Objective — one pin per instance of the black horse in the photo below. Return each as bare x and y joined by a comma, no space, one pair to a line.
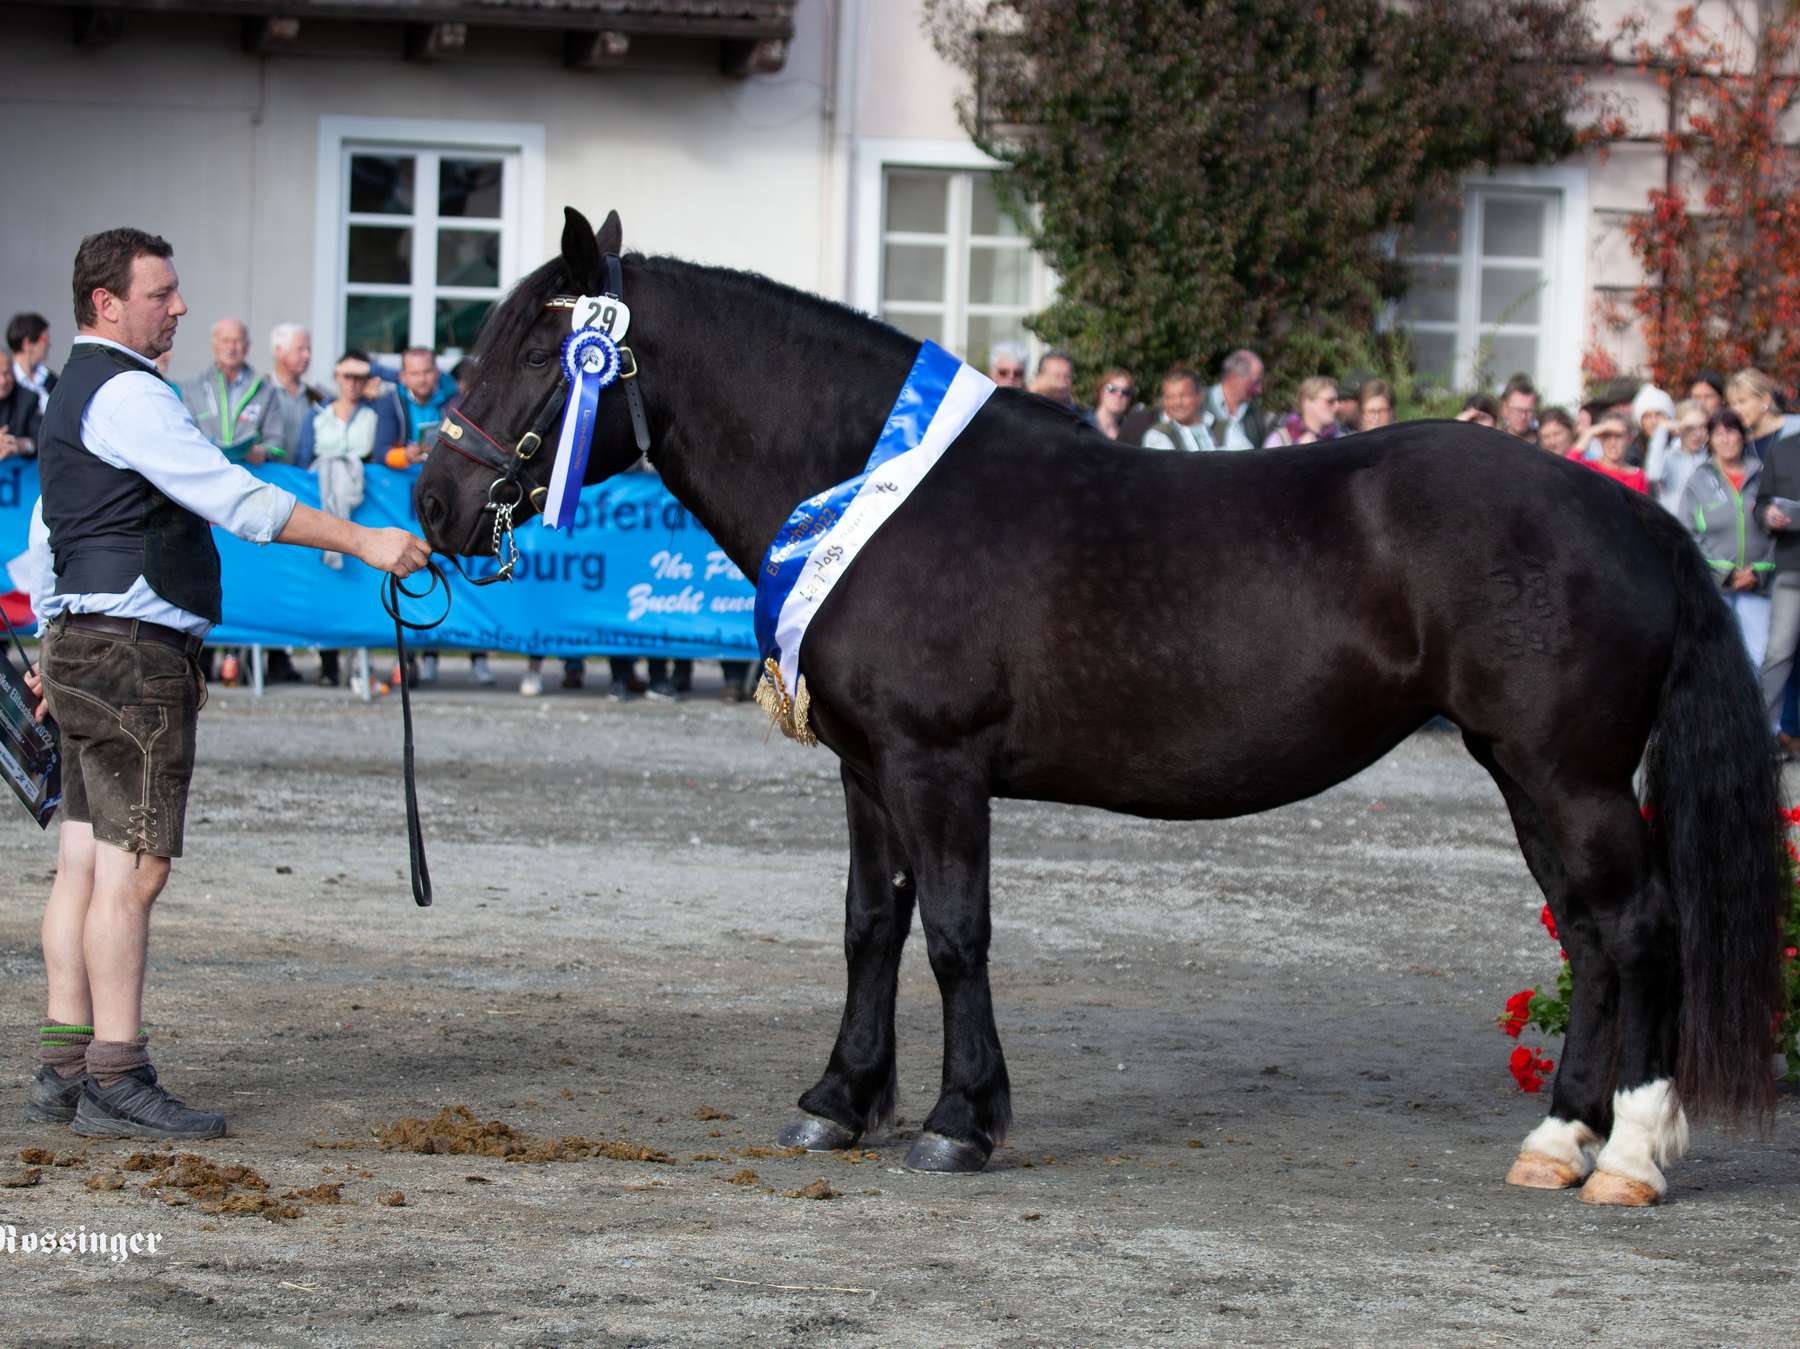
1285,618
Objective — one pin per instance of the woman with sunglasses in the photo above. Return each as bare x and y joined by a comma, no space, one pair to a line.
1114,397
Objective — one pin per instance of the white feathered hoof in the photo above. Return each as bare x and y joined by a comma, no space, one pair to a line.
1608,1187
1535,1171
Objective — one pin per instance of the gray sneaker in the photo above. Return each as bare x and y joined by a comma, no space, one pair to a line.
52,1097
136,1107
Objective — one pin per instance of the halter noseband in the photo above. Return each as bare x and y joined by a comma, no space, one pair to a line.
459,432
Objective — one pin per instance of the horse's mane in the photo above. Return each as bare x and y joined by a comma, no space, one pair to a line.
513,318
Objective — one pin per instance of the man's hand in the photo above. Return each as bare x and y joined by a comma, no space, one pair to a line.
1776,518
9,444
256,455
1742,578
34,684
393,550
415,452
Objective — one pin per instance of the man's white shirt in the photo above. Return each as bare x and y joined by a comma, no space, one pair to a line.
136,421
1193,438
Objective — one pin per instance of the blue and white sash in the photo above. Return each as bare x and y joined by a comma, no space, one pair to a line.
823,536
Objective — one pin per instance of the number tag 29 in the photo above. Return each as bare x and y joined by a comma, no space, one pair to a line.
608,313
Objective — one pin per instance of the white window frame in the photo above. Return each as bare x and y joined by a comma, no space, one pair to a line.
522,207
874,157
1562,326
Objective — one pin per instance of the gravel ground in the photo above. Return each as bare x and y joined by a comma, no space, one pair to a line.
1260,1096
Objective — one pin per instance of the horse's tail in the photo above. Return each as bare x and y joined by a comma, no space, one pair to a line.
1713,790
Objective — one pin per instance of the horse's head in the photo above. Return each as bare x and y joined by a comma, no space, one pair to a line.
497,445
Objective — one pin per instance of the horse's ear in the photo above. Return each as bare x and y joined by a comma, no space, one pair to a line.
611,238
580,252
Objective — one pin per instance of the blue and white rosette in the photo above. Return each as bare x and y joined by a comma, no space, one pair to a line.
590,361
824,535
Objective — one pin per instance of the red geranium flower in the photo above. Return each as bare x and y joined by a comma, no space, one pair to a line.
1791,814
1548,919
1529,1069
1518,1012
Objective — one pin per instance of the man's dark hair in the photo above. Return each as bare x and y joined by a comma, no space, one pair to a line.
1596,408
1055,354
25,328
1519,383
352,354
426,352
1559,416
103,262
1480,402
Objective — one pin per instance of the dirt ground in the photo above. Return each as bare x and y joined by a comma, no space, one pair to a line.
1260,1096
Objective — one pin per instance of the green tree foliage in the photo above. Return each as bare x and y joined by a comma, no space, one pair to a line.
1209,174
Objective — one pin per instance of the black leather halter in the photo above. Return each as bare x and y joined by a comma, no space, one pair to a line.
459,432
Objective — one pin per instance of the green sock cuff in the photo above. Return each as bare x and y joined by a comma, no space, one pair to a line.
58,1031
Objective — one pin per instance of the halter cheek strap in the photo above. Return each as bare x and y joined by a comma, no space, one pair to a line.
640,424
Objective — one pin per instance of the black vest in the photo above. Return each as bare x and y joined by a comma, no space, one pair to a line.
109,526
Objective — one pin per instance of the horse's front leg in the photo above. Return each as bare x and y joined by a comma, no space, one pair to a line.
856,1094
941,815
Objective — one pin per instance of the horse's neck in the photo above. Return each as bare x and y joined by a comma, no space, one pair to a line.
763,398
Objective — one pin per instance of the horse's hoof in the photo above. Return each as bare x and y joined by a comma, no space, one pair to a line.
815,1133
1608,1187
1535,1171
940,1155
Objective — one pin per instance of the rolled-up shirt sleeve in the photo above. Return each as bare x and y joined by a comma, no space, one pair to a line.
137,422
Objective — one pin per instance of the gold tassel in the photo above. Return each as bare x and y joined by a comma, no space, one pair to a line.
790,714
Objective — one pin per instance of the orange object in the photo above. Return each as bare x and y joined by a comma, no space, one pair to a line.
396,457
229,671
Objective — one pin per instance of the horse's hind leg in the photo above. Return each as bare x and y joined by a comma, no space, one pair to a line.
1620,927
856,1094
1558,1153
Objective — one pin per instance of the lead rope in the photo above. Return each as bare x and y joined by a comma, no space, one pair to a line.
391,593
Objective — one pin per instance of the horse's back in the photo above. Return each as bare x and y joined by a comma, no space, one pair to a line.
1211,634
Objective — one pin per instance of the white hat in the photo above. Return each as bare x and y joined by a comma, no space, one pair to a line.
1651,399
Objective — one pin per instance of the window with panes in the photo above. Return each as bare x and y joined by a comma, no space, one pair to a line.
426,233
954,267
1482,279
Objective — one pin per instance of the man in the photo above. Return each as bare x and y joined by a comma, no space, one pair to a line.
292,398
28,339
1230,416
20,416
1518,408
408,416
130,491
1006,364
230,402
1180,428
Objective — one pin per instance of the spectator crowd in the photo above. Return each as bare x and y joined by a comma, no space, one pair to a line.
1724,459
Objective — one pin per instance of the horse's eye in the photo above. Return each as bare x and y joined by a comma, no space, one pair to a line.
537,360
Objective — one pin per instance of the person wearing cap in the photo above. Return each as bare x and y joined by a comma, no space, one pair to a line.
1652,424
130,491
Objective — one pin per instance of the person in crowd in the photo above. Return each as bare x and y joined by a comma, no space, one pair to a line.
1180,427
131,490
1480,409
1518,408
1708,390
1055,380
1652,426
410,412
1615,439
1374,405
1007,362
338,439
1684,452
531,684
20,416
1315,418
1718,503
1114,395
28,339
1752,396
1778,489
1556,433
1586,418
1229,415
232,404
290,354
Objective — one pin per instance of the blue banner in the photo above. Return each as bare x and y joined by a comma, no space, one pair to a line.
636,575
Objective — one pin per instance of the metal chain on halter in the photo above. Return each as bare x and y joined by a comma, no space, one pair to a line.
503,529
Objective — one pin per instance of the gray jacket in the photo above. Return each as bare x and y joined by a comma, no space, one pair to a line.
1723,522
